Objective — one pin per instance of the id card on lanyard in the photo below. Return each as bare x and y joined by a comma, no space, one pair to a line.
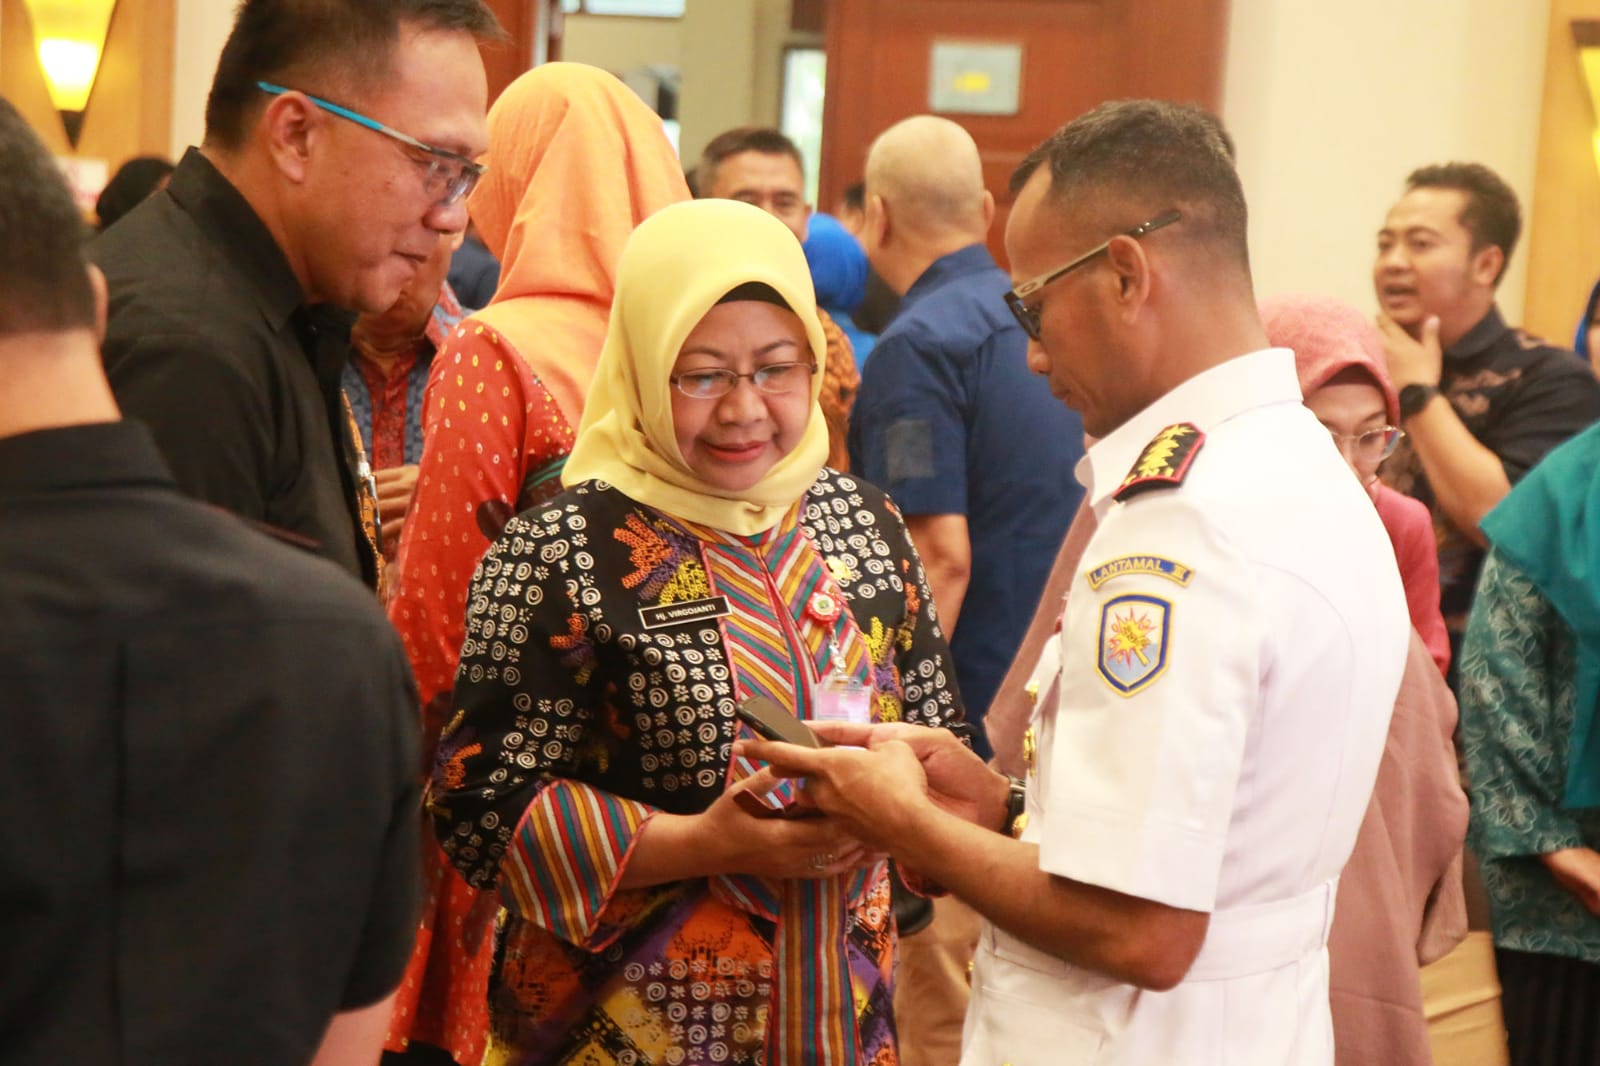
838,696
842,698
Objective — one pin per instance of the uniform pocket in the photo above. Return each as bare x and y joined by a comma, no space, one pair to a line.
1031,1009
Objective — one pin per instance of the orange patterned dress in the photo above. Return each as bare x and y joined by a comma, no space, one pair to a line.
496,442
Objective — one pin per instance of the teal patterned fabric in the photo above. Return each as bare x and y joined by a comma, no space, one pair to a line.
1518,691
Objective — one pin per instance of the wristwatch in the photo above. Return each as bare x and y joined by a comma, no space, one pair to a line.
1413,398
1016,809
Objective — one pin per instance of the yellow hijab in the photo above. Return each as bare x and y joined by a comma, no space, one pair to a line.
673,270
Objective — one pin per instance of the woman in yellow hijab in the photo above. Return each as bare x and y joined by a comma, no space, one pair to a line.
576,161
664,903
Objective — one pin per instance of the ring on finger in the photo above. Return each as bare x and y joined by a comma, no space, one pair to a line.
822,860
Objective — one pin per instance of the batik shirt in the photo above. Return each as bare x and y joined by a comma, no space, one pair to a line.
388,406
1519,671
1520,397
607,645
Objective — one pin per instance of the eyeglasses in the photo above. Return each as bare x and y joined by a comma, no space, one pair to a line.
774,379
1372,446
449,176
1028,317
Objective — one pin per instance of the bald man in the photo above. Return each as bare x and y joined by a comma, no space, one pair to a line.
978,455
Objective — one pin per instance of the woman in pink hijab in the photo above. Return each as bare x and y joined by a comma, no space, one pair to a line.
1401,903
1345,380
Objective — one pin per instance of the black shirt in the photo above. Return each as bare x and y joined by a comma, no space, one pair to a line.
1520,397
210,840
210,344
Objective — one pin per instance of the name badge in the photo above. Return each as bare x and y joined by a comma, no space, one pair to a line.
685,613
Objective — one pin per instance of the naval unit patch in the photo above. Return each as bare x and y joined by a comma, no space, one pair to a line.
1134,639
1164,461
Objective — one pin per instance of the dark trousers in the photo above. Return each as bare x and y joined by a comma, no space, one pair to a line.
1552,1008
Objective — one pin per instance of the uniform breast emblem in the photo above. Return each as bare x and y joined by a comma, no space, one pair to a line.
1135,633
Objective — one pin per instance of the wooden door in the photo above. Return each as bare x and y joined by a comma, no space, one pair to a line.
1075,54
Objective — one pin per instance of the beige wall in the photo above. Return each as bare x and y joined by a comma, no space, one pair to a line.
203,26
1332,105
622,44
730,53
771,31
719,70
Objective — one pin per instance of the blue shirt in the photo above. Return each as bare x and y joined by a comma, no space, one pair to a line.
949,420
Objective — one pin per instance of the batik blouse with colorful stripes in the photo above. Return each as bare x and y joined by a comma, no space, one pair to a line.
607,645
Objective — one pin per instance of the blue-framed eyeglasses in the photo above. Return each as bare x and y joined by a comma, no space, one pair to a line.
449,176
1028,317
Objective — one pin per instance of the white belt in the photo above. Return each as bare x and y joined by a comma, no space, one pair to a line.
1258,937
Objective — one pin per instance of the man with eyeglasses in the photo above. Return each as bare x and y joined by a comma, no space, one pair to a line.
1209,721
339,147
977,455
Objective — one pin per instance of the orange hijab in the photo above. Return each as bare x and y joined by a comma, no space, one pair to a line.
576,161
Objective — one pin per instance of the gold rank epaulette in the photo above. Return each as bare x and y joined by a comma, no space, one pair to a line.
1164,462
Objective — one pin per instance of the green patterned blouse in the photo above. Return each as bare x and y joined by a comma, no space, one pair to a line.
1518,689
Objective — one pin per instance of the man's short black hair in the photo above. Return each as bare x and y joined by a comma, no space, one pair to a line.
1491,214
279,41
763,139
44,280
1152,155
855,196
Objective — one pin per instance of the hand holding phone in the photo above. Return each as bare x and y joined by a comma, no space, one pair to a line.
769,721
772,722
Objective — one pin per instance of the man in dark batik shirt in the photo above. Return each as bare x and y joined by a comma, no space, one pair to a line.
1481,403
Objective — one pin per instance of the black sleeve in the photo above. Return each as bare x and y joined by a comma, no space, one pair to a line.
521,707
390,930
1560,399
922,654
213,426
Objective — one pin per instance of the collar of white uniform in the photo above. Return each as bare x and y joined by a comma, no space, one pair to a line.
1208,399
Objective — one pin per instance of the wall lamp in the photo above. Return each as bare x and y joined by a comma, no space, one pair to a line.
70,36
1586,35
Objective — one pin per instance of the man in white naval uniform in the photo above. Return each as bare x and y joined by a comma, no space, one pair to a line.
1210,719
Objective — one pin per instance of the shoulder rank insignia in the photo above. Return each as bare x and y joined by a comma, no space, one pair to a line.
1164,461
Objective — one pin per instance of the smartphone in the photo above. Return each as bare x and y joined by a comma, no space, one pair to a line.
772,722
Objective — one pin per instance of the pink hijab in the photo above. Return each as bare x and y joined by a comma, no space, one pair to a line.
1328,336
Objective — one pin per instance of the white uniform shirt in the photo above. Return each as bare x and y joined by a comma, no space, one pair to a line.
1208,733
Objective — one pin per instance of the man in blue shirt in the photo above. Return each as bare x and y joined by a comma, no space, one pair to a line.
949,421
978,455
